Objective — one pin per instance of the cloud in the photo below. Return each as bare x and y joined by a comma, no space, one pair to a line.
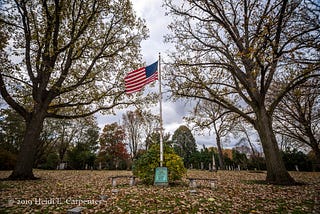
156,21
173,112
206,140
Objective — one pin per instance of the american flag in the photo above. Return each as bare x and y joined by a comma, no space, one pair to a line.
137,79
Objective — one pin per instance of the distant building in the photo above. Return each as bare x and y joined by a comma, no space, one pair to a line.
242,149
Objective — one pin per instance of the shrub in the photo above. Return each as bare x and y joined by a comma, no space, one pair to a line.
144,167
51,162
295,158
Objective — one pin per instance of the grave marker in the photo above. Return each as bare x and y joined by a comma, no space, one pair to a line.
76,210
161,176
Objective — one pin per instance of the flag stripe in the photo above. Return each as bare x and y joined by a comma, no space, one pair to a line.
134,89
152,78
137,82
137,85
137,79
135,73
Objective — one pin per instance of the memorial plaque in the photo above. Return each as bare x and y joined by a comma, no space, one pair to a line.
161,176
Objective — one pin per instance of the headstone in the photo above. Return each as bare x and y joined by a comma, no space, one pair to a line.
212,184
115,191
193,184
117,165
10,202
76,210
161,176
193,191
61,166
214,168
103,197
132,181
100,166
114,182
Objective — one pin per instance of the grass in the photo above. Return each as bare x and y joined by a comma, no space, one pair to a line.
234,192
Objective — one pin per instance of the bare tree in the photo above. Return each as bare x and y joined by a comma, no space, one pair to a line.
245,48
58,136
66,59
62,134
298,116
151,124
213,116
139,127
244,131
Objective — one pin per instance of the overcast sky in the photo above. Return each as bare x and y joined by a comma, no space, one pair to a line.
156,21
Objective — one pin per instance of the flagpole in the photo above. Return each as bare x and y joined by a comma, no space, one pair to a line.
161,173
160,105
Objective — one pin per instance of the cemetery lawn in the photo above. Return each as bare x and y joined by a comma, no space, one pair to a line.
234,192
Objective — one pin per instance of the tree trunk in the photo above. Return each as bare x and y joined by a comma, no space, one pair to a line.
316,165
250,144
314,144
28,149
276,171
220,154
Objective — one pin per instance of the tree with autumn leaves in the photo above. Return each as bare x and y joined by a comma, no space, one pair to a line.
113,153
244,56
64,60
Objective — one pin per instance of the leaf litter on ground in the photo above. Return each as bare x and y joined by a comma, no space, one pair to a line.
234,192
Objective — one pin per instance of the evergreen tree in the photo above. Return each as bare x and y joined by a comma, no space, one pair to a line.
184,144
